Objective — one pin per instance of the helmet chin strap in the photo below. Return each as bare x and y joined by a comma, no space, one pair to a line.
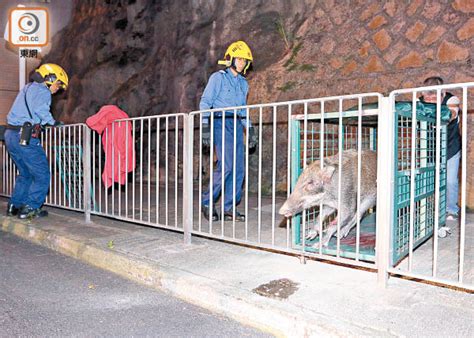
232,65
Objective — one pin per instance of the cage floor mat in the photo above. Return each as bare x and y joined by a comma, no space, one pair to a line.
348,244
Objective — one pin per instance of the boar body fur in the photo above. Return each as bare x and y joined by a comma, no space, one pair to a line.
317,186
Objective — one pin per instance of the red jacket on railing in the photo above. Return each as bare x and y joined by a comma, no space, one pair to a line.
116,137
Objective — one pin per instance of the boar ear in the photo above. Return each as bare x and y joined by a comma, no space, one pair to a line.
327,172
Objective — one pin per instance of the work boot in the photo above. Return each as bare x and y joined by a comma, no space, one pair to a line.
12,210
229,216
205,212
29,212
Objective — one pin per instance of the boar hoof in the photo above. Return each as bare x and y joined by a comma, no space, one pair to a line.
344,232
312,235
326,240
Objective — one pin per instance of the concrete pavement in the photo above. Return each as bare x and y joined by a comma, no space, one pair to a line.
321,299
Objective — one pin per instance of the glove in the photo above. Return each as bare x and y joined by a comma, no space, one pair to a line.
253,138
206,135
58,124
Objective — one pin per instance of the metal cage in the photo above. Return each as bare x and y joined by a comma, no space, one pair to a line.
423,150
425,159
328,134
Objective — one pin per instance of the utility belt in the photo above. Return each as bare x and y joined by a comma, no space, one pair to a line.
13,127
27,131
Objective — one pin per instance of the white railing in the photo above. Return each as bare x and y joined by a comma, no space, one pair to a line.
145,175
444,257
267,185
161,171
66,151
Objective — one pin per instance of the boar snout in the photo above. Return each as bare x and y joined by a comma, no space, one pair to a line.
287,210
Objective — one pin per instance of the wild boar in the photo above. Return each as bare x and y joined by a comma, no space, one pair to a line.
317,186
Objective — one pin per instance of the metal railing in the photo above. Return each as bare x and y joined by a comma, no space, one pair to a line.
443,258
66,150
154,170
268,184
139,175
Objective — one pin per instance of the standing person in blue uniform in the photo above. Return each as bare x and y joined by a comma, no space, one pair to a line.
227,88
31,110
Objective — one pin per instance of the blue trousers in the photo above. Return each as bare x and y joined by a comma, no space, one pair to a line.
452,188
32,182
228,163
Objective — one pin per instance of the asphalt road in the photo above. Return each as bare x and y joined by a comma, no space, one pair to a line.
43,293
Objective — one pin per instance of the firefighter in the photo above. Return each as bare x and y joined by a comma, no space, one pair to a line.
228,88
28,114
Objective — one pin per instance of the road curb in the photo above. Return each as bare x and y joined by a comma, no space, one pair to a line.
276,317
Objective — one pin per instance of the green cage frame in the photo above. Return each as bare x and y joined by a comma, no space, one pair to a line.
331,141
425,174
424,181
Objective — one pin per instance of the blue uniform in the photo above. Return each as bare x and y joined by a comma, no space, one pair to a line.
32,182
226,90
38,97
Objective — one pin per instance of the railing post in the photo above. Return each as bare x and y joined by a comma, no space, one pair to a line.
385,176
188,177
86,160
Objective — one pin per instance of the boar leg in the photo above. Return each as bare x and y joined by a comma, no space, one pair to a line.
325,212
332,228
364,206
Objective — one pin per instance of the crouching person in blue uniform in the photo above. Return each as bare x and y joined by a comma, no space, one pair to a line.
227,88
30,112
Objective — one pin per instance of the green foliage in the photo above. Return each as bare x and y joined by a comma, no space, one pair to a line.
110,244
294,53
289,40
292,66
306,67
297,48
280,26
287,86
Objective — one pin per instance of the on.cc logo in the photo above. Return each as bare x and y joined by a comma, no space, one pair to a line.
28,23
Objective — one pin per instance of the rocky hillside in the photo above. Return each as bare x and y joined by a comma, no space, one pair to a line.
154,56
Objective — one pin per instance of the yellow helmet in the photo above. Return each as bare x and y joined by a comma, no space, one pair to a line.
51,73
238,49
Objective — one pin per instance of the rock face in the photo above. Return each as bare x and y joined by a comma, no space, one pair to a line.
154,57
